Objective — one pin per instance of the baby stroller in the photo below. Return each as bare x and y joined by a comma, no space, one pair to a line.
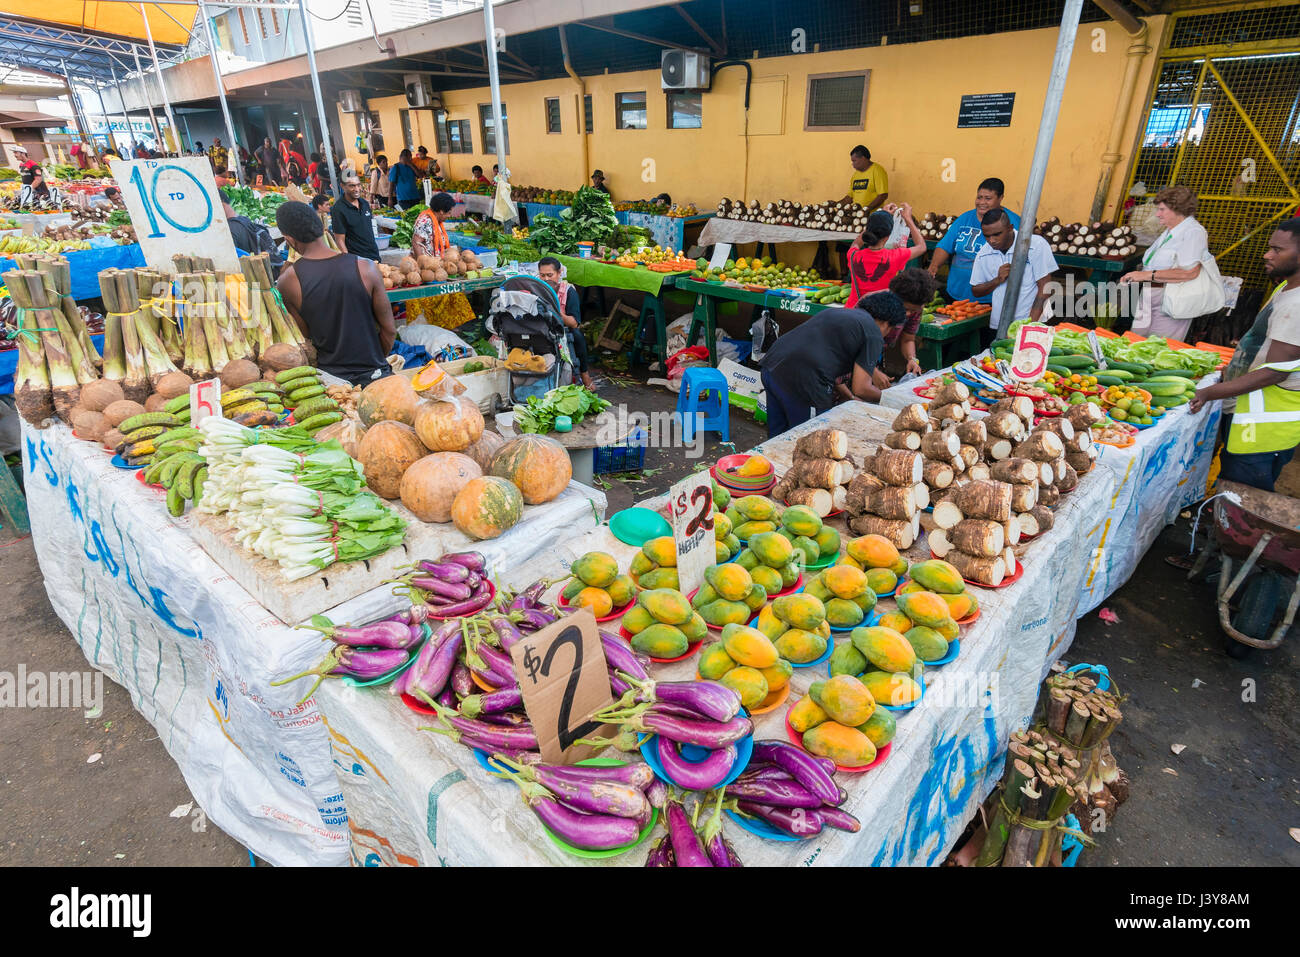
525,314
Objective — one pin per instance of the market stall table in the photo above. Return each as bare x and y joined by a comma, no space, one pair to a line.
667,231
86,264
591,433
417,798
401,294
198,654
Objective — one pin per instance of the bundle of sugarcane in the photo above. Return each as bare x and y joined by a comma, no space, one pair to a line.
257,270
1040,783
45,380
160,311
192,263
1077,712
204,344
58,279
227,319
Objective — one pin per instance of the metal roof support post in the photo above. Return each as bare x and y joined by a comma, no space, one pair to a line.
162,87
320,100
221,91
103,113
75,103
148,101
1038,168
494,81
126,117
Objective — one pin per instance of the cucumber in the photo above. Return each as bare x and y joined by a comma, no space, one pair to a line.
1103,379
1176,400
1137,368
1118,373
1160,389
1059,370
1075,363
1007,344
1180,373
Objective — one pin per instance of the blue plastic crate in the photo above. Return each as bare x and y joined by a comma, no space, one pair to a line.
629,457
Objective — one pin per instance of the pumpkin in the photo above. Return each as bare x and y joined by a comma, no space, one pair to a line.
390,399
486,448
487,507
538,465
386,451
430,485
451,426
349,433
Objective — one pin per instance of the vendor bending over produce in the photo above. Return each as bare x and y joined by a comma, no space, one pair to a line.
549,269
337,299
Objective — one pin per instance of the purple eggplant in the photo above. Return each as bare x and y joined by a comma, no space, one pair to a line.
447,571
657,793
719,849
801,822
455,591
474,579
523,737
592,797
765,772
617,686
698,776
461,682
531,597
658,856
507,634
707,699
638,775
506,719
447,697
378,634
839,818
431,679
498,662
414,615
826,764
594,832
686,843
532,619
773,793
619,655
457,609
346,660
474,561
805,768
471,706
707,734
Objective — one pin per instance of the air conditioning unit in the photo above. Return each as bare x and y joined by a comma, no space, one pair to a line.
418,92
351,101
683,70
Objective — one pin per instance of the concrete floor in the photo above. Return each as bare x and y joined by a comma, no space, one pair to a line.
1234,796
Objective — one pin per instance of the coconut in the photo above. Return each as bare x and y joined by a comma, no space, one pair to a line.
440,275
452,267
89,424
411,278
121,410
111,438
100,394
173,384
155,402
435,263
281,357
407,264
427,275
424,262
388,282
239,372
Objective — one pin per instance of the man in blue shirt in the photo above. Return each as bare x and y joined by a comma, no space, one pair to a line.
406,191
962,242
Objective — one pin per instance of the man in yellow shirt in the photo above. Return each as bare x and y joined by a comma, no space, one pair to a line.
869,185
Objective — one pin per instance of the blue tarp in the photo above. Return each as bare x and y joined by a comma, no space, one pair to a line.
9,362
85,265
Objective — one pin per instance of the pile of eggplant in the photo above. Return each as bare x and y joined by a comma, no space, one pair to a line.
792,790
452,586
687,845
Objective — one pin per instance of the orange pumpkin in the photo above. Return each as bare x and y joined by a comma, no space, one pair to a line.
486,448
538,465
430,485
390,399
487,507
387,450
450,426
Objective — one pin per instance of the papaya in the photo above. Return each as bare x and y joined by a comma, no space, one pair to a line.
768,624
661,641
909,587
705,596
721,527
729,581
640,565
769,578
806,713
894,690
733,516
828,541
696,629
866,601
845,581
824,629
778,676
895,620
842,613
800,610
847,700
733,544
846,746
747,682
749,646
800,646
949,629
816,587
882,581
756,597
721,553
597,599
872,551
962,605
847,660
747,560
597,569
667,605
571,590
789,575
660,578
807,550
847,559
937,576
785,533
714,661
621,590
801,520
758,508
880,727
884,648
924,608
771,549
662,551
899,567
637,619
722,612
815,691
928,644
721,497
749,530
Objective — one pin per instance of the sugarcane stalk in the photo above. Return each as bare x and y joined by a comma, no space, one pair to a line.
1077,722
135,384
212,331
64,387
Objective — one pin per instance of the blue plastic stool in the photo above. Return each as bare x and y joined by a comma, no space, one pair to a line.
704,390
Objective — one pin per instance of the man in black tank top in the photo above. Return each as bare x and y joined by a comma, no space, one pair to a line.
337,299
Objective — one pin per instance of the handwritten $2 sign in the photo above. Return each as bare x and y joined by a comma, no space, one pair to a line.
565,680
690,504
1030,357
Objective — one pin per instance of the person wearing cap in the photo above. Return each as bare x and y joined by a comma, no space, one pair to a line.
352,223
26,165
598,181
37,191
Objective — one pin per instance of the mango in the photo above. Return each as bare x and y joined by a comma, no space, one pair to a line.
748,561
845,581
598,569
842,613
705,596
872,551
884,648
817,588
800,646
768,624
747,682
828,541
722,612
660,578
800,610
807,550
778,676
570,591
597,599
714,661
729,581
621,590
928,644
637,619
749,530
895,620
667,605
882,581
661,641
847,700
697,629
806,713
801,520
846,746
880,727
937,576
769,578
894,690
749,646
721,526
756,597
924,608
640,565
789,575
847,660
758,508
771,549
662,551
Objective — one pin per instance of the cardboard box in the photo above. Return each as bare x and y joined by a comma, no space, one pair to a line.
744,382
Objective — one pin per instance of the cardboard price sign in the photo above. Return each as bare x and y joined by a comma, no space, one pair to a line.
205,400
1094,346
565,680
690,505
1033,346
176,208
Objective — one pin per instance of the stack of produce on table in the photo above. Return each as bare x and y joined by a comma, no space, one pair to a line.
764,273
746,661
663,624
467,186
541,194
455,263
752,514
590,218
873,553
260,209
655,566
817,541
290,499
1088,239
839,718
726,544
728,595
976,529
819,474
454,586
598,585
935,225
770,558
838,216
797,626
1143,402
1076,712
1128,360
686,844
345,397
304,395
886,497
949,452
963,309
678,210
793,791
401,238
575,401
848,593
511,247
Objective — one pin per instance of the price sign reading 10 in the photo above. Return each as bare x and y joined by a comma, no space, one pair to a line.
173,195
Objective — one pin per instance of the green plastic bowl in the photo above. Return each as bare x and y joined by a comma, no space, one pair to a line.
636,526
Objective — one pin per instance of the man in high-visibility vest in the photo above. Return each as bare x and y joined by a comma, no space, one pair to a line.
1265,427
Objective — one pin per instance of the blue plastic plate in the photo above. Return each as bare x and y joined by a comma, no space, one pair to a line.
695,754
908,707
121,463
760,828
954,649
824,657
386,678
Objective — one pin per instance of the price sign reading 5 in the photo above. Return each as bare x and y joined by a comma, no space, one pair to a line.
205,400
1033,346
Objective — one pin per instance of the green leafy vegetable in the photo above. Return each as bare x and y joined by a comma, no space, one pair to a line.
575,401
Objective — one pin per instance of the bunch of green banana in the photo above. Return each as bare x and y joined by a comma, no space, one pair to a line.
305,395
140,434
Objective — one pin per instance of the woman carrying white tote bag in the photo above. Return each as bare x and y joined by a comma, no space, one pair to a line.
1184,280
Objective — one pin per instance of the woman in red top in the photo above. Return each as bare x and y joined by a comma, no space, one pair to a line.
871,265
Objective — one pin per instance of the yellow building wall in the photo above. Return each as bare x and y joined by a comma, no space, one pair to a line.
911,126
